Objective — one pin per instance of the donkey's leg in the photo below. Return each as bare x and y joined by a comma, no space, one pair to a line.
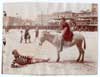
80,53
79,45
82,60
58,56
79,56
59,48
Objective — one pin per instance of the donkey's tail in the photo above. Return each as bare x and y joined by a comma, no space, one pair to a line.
84,44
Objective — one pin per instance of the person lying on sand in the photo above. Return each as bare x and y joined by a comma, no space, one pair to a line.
20,60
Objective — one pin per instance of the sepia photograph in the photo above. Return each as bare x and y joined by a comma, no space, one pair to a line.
47,38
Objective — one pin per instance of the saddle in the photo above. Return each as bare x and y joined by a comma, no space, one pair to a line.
68,36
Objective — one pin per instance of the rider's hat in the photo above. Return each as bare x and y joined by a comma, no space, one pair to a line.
63,18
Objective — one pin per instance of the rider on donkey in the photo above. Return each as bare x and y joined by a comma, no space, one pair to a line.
66,32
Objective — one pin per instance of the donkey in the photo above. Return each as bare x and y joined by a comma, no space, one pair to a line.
55,40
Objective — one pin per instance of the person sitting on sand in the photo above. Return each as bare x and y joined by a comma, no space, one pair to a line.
20,60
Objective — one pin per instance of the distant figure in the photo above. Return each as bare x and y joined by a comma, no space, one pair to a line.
21,39
4,41
20,60
4,13
5,21
4,37
27,36
36,32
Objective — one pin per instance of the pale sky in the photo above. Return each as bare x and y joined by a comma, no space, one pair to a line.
31,10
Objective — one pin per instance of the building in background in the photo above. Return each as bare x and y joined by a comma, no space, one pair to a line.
85,20
88,20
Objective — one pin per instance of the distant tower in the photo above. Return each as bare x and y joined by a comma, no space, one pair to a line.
94,8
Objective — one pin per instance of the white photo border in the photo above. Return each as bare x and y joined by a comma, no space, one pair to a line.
70,1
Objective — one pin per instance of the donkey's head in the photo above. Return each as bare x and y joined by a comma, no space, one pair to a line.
43,37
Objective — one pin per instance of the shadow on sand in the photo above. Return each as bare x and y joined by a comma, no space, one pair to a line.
70,61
